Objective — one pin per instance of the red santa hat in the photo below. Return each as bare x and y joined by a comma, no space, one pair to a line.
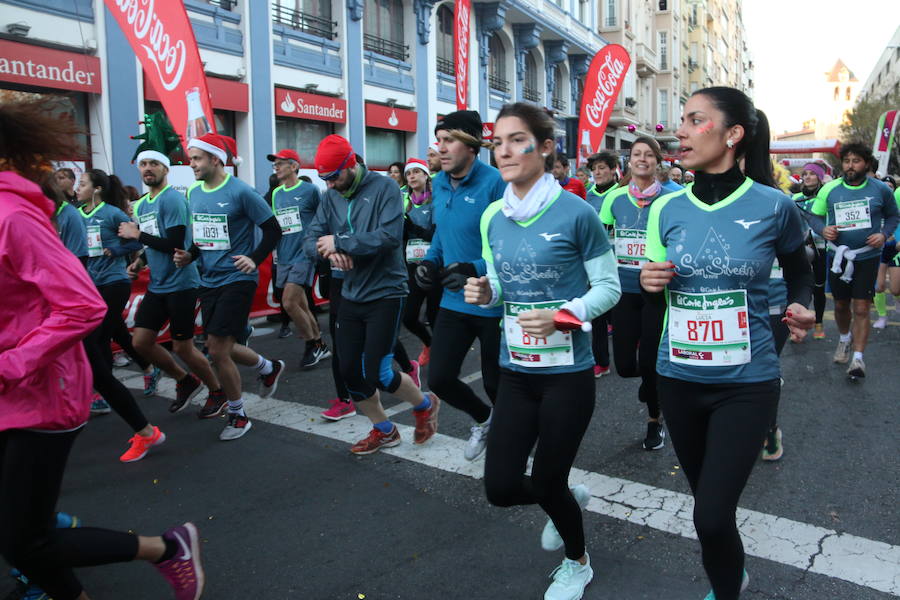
415,163
220,146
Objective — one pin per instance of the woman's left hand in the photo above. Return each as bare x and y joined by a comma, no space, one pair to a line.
799,320
538,323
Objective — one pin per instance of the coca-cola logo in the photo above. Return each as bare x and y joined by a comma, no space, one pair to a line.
462,53
169,57
608,81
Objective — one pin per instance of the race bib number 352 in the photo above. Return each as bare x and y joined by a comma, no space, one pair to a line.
852,214
709,330
527,351
211,232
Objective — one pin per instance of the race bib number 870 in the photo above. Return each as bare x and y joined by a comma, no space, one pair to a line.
709,330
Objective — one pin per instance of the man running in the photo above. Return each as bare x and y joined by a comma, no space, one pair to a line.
225,213
359,229
859,215
561,174
162,226
294,203
460,194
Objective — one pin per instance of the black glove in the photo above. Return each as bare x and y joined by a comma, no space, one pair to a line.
454,276
427,275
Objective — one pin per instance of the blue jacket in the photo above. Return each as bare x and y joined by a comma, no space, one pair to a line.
457,215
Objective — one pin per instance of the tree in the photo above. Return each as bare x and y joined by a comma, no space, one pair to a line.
860,123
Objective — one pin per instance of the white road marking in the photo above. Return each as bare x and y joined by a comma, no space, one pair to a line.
861,561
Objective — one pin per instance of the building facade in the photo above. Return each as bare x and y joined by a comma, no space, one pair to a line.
884,80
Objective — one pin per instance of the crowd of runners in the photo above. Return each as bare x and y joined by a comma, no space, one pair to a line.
698,287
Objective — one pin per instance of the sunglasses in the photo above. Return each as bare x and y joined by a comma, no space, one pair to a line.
336,173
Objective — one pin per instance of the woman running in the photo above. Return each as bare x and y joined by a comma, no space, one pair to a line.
637,322
710,248
545,250
45,380
812,178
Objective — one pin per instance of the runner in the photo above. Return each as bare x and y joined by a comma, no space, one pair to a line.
69,223
225,213
812,178
418,231
637,323
461,192
860,215
546,395
294,204
662,174
45,379
710,249
675,174
162,226
360,230
434,159
561,173
888,261
778,295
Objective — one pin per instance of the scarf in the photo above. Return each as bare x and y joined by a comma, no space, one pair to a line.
360,173
419,199
645,196
544,191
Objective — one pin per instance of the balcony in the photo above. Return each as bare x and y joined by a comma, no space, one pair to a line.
646,62
446,66
558,104
226,4
498,83
385,47
303,22
531,94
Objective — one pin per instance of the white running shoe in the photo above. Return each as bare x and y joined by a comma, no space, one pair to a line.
569,580
881,323
550,538
477,441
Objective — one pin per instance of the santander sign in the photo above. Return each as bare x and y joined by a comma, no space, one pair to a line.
602,86
461,29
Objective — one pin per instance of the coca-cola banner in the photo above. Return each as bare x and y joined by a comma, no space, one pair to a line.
461,27
162,38
601,87
884,140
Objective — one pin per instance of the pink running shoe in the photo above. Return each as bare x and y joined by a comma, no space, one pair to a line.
414,373
339,409
184,571
600,371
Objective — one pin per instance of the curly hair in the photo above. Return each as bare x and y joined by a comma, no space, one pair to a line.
32,133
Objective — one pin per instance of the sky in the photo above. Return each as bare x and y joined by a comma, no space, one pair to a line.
792,43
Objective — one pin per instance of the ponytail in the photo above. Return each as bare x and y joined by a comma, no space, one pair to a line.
111,190
757,160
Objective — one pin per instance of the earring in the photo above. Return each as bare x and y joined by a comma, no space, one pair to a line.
545,154
730,143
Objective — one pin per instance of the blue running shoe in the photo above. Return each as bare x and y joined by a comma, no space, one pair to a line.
745,583
99,406
151,381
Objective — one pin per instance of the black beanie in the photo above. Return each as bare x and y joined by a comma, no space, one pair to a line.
468,121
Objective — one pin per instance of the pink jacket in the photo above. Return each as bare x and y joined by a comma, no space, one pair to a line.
48,305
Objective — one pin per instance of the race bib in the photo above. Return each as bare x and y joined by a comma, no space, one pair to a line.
416,250
777,271
94,243
148,224
852,214
819,242
289,219
527,351
709,330
211,232
631,246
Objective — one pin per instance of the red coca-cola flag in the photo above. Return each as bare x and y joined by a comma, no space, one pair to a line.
461,50
601,87
161,36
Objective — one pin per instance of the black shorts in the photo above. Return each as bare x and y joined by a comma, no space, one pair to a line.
176,307
862,286
226,308
889,256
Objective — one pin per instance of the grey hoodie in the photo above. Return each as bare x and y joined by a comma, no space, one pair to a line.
369,228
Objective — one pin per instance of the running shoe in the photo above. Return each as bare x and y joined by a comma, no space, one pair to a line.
184,393
857,368
427,420
284,332
424,356
880,323
99,406
656,436
151,382
339,409
314,353
375,441
477,441
214,405
140,445
600,371
414,373
237,426
819,332
842,352
569,580
550,538
120,359
745,583
772,449
184,571
269,383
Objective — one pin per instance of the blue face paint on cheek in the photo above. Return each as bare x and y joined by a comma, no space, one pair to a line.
528,149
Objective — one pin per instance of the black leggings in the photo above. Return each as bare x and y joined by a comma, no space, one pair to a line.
454,333
553,411
366,333
417,297
116,295
821,274
637,325
31,472
600,339
96,345
335,286
717,431
781,333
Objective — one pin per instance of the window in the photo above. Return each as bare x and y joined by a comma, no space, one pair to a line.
309,16
610,19
497,65
692,18
663,49
226,4
301,135
663,108
530,89
848,93
384,147
837,92
446,59
610,143
583,12
558,99
383,29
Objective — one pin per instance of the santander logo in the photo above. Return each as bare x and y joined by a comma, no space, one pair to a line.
462,53
167,55
608,83
287,105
